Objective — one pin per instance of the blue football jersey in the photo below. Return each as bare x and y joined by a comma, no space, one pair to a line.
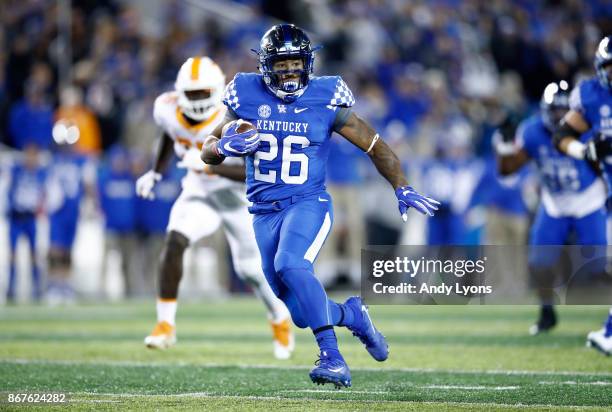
117,199
291,159
451,182
594,102
570,187
68,169
504,193
26,192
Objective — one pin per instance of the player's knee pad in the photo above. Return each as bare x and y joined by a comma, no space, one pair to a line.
285,261
171,265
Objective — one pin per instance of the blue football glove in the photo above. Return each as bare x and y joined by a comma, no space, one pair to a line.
408,197
234,144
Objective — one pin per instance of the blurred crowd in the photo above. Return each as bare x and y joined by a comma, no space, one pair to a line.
435,77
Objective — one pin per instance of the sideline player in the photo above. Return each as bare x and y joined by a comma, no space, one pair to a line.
25,200
207,200
572,196
295,114
591,110
72,177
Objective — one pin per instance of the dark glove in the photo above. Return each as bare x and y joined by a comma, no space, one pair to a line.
598,148
507,128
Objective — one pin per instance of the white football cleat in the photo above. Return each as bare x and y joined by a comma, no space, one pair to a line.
602,339
162,337
284,340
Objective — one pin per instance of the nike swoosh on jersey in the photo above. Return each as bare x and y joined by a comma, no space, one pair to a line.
296,110
323,200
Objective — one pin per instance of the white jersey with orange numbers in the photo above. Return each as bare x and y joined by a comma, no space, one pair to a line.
186,136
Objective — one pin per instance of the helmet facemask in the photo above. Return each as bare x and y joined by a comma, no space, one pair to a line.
287,90
604,74
198,104
289,80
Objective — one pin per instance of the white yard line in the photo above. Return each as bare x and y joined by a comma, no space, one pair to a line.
471,388
334,391
596,383
176,395
302,367
482,405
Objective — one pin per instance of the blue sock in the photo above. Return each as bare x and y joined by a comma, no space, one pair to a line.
340,314
326,339
608,325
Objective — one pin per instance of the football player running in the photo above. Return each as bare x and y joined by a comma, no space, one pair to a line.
591,110
573,196
211,196
295,114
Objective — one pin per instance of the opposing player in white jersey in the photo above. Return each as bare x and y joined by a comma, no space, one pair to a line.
211,196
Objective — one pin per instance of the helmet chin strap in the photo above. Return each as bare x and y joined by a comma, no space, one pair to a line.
289,97
284,95
292,85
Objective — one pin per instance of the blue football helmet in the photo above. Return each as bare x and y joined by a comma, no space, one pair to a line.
281,42
603,58
554,103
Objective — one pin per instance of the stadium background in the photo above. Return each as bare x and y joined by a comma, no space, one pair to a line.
435,77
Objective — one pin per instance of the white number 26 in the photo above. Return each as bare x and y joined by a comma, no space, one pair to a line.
286,159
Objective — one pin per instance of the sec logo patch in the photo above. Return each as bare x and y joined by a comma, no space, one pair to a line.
264,111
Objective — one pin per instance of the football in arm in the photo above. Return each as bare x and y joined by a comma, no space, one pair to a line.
243,126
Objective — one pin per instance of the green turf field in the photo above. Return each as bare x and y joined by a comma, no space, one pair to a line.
442,358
